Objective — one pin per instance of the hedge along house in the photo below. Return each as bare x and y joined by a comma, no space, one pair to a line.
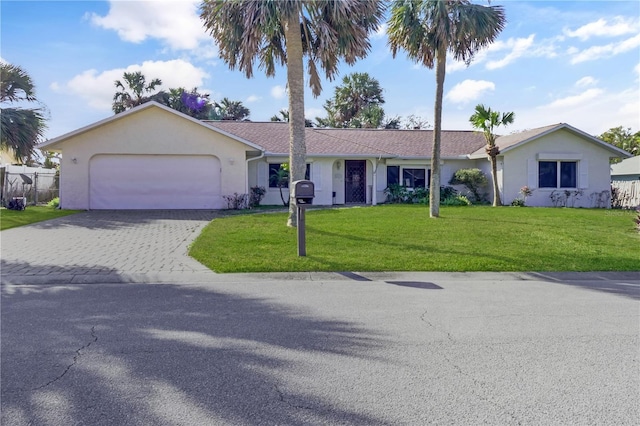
153,157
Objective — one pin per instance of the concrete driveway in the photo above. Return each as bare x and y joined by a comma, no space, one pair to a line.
118,347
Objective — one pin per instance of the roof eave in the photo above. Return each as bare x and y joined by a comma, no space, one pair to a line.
50,144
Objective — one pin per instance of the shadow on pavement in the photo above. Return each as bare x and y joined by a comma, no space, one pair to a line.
165,354
621,283
117,219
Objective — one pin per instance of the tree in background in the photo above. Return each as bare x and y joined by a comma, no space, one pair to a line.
22,128
427,29
192,103
355,103
227,109
487,120
622,138
284,116
285,33
134,91
415,122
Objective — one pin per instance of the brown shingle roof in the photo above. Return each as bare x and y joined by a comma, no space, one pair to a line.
274,138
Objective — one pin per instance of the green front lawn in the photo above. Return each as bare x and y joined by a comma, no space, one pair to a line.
13,218
404,238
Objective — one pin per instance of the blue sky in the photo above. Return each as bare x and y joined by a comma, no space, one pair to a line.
576,62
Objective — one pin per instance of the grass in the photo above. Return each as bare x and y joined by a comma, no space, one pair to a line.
404,238
13,218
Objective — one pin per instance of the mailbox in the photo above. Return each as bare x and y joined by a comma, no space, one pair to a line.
302,191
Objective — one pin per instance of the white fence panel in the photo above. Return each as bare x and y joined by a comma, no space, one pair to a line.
627,194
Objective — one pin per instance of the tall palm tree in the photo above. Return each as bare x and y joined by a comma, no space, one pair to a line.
487,120
22,128
427,30
285,32
133,92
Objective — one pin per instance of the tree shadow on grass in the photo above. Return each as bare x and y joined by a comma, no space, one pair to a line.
167,354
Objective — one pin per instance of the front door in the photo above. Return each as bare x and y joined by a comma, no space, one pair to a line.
355,181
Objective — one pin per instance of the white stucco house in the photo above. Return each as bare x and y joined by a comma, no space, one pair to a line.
153,157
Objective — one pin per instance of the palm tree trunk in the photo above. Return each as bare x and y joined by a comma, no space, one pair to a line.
434,186
295,81
494,176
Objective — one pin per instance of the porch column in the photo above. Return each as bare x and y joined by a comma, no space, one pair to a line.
374,189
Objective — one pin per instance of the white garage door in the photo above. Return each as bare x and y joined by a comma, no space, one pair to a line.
154,182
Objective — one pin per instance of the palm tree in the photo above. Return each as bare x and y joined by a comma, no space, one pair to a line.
136,92
487,120
284,33
281,180
427,29
231,110
22,128
357,94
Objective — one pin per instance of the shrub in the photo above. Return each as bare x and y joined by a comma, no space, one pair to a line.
473,179
458,200
518,202
255,197
55,203
236,201
447,192
396,194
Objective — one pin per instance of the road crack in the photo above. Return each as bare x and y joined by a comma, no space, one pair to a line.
477,384
78,353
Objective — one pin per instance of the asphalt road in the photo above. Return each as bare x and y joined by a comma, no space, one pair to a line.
358,349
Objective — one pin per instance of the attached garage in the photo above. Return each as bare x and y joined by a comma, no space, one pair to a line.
151,157
154,182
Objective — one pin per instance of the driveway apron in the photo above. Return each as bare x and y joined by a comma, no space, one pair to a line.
104,246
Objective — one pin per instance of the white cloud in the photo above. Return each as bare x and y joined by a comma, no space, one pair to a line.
596,52
602,28
312,113
55,86
593,111
586,81
519,47
278,92
98,88
381,32
514,47
176,23
575,100
253,98
469,90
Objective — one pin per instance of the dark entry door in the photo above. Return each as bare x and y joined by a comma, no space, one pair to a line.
355,181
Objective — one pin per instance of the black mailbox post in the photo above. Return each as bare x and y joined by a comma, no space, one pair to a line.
302,193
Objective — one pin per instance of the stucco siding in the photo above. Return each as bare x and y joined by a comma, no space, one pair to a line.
321,176
521,168
149,131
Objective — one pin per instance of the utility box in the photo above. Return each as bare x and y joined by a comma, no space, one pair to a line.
302,192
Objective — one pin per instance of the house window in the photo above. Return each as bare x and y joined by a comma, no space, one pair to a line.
557,174
414,178
274,169
393,175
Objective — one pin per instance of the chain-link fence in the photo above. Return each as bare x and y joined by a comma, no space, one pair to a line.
36,185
